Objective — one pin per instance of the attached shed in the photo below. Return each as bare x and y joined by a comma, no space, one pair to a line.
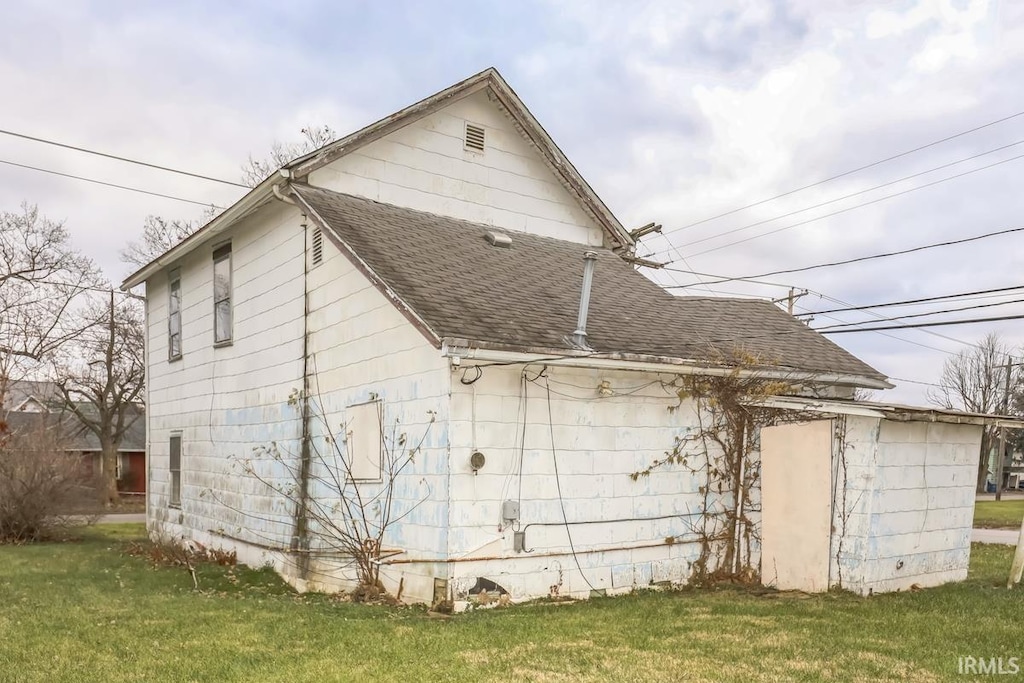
873,497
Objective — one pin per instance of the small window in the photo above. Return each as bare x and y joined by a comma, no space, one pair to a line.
317,245
222,294
474,137
175,468
174,317
363,441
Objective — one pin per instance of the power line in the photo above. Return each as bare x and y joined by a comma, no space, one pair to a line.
915,381
102,182
839,199
879,316
907,302
854,170
124,159
912,326
855,206
722,279
930,313
859,259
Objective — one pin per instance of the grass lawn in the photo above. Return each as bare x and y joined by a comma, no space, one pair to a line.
87,612
1005,514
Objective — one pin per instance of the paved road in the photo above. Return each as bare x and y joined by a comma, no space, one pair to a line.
122,518
1001,536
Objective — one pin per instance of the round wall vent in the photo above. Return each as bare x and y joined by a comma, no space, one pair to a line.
477,460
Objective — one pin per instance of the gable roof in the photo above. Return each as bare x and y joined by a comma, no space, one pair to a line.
75,435
499,91
455,286
19,392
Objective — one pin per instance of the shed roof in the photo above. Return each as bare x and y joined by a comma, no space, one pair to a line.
891,411
454,284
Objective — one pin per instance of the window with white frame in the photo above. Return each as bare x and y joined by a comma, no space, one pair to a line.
222,294
364,443
174,316
175,468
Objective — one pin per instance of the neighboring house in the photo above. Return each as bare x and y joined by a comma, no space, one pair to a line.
29,396
432,264
32,405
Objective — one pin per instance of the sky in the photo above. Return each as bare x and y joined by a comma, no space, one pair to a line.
675,112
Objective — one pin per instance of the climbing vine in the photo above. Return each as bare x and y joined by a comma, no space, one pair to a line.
721,451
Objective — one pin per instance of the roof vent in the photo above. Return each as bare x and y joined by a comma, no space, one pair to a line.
498,239
474,137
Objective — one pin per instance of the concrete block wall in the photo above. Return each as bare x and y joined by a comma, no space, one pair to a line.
425,166
910,503
599,442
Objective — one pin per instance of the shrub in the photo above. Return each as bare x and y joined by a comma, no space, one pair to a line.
41,485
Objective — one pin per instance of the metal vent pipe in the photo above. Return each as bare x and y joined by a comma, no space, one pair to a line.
579,337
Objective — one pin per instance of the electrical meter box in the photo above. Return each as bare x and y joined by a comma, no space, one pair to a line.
510,510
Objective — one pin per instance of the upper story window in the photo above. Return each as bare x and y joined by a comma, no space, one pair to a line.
174,316
222,294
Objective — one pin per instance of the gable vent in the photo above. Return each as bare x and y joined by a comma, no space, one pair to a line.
317,246
498,239
474,137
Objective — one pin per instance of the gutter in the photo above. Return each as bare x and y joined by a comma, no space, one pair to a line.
256,196
465,350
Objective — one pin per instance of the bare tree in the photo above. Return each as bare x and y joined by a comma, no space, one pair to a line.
160,234
256,171
100,380
337,514
43,490
41,279
973,381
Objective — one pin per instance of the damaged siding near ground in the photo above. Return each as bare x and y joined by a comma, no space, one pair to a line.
618,525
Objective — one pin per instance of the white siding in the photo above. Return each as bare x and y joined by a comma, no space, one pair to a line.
363,349
226,400
599,443
909,504
425,166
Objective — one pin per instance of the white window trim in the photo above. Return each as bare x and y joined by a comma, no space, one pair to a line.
226,255
174,496
174,277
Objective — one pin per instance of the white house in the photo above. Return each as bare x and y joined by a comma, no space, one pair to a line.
427,272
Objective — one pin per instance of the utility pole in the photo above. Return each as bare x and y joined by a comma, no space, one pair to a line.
791,298
1001,454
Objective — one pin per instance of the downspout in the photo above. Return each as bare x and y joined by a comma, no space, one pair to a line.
300,535
300,540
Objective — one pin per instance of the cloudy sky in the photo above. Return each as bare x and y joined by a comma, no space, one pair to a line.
675,112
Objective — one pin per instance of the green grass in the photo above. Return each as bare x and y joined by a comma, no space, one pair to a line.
86,611
1005,514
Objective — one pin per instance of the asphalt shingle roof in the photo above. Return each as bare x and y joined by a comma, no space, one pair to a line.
75,435
526,297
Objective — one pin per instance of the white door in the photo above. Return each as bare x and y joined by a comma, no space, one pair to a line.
796,505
